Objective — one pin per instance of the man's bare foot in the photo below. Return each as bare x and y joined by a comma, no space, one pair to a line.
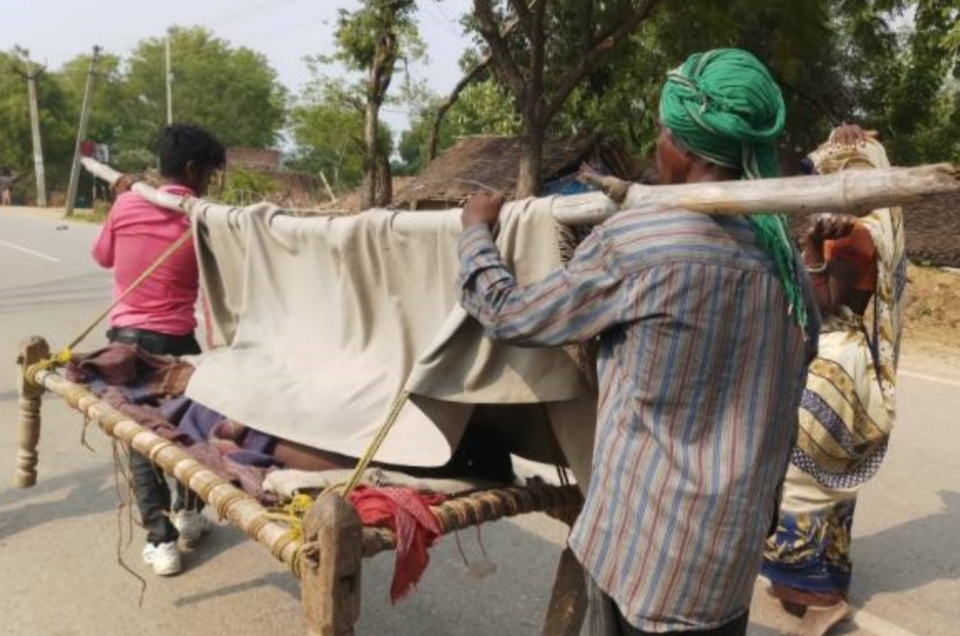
817,621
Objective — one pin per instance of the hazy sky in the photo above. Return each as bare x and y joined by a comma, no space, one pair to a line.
284,30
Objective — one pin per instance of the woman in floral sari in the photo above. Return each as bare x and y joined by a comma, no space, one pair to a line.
858,268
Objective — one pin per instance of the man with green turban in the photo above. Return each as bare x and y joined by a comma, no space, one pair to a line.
724,108
705,330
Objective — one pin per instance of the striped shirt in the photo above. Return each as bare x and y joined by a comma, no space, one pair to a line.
700,372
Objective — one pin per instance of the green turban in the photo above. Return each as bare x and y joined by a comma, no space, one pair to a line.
724,106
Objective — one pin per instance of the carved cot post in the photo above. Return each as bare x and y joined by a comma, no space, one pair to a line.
28,416
330,570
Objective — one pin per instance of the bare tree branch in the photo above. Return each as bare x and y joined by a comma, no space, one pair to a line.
503,65
606,41
350,101
475,73
537,50
522,10
814,100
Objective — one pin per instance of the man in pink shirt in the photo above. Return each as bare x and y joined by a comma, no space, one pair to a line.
158,316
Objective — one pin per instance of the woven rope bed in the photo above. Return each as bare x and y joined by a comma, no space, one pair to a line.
327,555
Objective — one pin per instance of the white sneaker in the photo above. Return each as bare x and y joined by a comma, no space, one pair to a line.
164,558
191,525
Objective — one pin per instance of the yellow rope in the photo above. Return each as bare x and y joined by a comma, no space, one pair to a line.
292,514
66,354
370,453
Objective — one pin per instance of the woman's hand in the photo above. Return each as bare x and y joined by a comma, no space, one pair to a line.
848,135
829,227
823,227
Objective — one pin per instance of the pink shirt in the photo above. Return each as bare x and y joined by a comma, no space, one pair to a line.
136,233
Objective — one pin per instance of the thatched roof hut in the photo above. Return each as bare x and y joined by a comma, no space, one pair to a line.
492,162
351,201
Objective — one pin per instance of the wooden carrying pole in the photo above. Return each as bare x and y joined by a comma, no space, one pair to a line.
854,191
163,199
850,191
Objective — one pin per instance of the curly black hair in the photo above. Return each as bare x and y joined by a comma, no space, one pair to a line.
179,144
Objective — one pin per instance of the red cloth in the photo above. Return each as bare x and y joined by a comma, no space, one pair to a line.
407,513
856,248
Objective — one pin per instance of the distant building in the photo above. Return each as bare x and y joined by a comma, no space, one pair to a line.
257,159
494,161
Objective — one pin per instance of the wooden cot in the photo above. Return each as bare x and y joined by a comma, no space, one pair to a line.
327,558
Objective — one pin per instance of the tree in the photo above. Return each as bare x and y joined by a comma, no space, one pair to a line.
796,42
620,95
835,60
108,112
917,111
233,91
373,39
57,133
477,110
328,127
552,49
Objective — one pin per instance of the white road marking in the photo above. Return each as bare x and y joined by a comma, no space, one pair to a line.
27,250
929,378
876,625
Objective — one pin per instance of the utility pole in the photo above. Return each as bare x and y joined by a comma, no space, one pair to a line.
31,74
169,82
82,131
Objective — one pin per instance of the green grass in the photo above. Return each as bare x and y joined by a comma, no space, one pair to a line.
97,214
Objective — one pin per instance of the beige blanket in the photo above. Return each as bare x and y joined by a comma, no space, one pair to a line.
327,319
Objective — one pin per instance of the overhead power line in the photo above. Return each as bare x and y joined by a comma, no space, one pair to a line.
237,15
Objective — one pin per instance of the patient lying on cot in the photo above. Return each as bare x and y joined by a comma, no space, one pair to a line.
150,389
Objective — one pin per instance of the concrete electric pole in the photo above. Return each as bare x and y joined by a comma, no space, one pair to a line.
82,131
31,74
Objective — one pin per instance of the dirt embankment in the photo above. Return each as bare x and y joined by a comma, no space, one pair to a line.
932,321
933,231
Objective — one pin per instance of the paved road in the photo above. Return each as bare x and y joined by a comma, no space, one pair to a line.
59,542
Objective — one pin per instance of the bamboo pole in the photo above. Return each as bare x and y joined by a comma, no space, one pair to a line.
855,191
163,199
230,502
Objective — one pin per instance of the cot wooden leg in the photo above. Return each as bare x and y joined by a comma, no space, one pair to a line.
568,602
28,417
330,575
